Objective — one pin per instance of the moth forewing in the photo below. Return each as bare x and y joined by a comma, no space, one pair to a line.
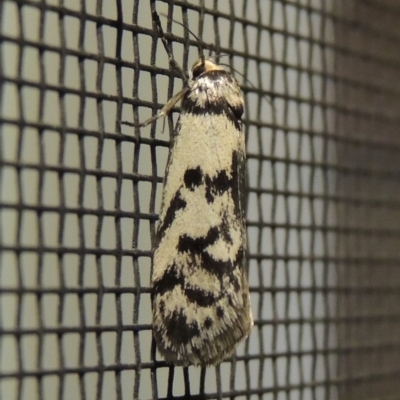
201,306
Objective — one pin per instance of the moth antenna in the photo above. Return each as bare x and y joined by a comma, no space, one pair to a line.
171,59
247,80
200,46
174,65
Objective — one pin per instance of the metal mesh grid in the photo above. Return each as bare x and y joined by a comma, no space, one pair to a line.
323,202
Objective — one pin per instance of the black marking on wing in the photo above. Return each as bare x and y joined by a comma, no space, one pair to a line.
198,245
221,182
217,107
193,178
197,249
178,328
208,323
201,297
217,185
237,188
240,256
173,278
168,281
176,204
216,267
234,113
222,269
161,307
225,228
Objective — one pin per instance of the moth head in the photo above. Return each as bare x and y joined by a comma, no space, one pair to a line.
202,65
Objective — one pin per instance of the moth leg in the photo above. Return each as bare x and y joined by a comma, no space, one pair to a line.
163,112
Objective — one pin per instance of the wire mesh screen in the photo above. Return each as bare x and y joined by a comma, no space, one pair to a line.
367,227
80,195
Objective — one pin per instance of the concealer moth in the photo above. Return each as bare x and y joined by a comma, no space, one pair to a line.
200,294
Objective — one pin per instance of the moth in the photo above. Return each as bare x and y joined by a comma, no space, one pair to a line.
200,293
